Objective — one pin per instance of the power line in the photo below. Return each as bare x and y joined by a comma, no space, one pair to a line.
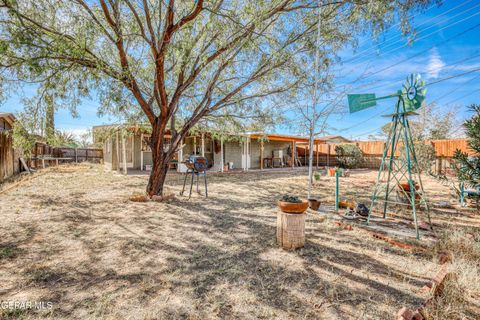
427,35
423,51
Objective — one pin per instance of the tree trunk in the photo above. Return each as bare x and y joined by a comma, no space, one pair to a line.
160,159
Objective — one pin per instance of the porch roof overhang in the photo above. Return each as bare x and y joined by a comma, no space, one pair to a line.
282,137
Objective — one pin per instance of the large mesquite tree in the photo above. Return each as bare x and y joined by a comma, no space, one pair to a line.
174,62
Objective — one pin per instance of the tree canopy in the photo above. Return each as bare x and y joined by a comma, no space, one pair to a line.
177,63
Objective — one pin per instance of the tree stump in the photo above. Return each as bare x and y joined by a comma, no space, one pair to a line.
291,230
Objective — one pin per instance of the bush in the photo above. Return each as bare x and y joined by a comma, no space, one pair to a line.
425,156
349,156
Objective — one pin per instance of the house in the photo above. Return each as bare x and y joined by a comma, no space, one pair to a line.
126,148
9,159
334,139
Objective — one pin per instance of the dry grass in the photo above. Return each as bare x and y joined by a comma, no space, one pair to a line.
80,243
461,296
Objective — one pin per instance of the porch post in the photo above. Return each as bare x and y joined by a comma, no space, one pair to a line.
124,156
194,145
141,151
316,147
293,154
261,154
328,156
117,143
222,163
203,144
180,156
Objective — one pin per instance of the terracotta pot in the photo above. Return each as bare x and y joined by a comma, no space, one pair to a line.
406,186
314,204
291,207
331,172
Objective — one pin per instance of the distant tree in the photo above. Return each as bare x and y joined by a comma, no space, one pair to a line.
430,124
349,156
468,167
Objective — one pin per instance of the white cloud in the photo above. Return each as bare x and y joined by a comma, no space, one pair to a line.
435,64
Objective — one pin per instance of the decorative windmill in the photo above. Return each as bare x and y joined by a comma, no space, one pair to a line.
399,172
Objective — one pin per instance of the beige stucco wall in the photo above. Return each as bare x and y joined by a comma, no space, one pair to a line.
233,153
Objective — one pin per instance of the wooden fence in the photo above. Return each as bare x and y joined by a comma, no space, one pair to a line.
325,155
75,155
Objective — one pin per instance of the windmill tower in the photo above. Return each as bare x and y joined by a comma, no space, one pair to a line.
399,174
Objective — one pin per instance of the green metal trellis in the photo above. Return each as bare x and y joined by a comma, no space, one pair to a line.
399,160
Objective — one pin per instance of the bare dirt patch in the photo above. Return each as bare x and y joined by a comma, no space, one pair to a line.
72,237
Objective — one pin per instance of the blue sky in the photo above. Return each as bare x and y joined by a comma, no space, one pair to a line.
445,46
447,43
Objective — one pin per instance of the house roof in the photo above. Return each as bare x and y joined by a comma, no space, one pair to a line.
9,117
327,138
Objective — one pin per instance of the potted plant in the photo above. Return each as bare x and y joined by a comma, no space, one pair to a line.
292,204
317,176
314,204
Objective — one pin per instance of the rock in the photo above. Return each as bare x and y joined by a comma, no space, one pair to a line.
157,198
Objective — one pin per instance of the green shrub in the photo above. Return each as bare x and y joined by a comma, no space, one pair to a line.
349,156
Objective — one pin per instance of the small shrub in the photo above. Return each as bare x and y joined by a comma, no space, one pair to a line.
8,251
291,199
349,156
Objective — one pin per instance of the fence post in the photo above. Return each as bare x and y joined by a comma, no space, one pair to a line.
86,155
76,157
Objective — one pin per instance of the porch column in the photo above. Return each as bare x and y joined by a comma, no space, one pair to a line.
180,156
261,154
194,145
141,151
222,162
124,156
203,144
293,154
328,156
316,148
117,143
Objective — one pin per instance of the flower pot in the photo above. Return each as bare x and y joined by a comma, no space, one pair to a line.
292,207
406,186
314,204
225,168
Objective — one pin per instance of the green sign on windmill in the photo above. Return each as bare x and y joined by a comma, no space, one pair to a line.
398,181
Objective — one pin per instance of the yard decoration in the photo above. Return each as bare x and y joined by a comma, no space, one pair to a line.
394,168
314,204
291,222
292,204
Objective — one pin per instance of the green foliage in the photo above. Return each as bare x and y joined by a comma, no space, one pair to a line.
23,140
349,156
63,139
468,167
425,154
291,199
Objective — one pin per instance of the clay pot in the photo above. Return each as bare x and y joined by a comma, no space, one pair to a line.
406,186
331,172
314,204
292,207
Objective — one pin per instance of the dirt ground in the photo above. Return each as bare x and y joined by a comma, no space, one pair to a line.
71,237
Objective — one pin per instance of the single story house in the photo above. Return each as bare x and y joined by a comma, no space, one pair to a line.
9,159
131,151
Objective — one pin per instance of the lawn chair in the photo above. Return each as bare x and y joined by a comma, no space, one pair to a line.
196,166
472,194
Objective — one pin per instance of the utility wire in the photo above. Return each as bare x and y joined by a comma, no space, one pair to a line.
423,23
425,36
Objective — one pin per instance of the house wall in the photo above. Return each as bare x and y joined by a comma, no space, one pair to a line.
233,153
137,149
268,148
